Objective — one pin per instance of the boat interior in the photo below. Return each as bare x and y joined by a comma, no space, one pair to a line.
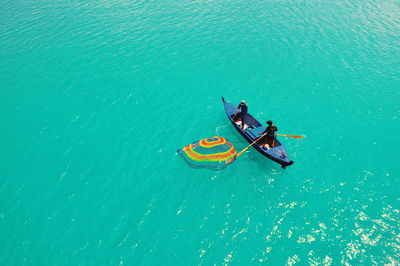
252,128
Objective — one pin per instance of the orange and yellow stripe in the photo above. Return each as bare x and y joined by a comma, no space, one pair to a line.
208,143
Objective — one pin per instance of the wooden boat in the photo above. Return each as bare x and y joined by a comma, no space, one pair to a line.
276,153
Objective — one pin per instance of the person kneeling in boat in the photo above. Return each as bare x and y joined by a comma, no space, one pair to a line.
239,116
268,140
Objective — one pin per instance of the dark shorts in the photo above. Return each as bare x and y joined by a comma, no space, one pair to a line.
266,139
239,116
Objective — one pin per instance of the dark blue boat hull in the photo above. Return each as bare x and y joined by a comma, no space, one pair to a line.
277,154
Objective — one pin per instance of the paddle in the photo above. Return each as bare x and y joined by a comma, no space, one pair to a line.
245,149
290,136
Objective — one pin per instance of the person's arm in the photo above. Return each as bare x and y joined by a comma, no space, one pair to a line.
265,131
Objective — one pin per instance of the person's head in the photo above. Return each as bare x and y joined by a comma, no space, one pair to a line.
243,102
269,122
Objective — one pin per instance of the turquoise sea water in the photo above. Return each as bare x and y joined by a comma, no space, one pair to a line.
96,97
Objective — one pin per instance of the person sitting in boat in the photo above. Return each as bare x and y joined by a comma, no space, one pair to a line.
268,139
239,116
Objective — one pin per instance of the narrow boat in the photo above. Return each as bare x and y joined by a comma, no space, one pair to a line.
277,153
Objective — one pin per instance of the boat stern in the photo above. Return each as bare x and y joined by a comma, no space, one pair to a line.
280,155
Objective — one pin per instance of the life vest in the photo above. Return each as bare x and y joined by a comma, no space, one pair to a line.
271,130
243,107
